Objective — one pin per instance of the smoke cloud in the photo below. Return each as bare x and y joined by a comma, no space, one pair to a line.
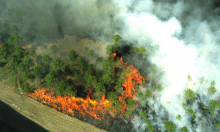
186,31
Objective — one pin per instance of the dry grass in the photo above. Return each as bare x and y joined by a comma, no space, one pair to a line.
43,115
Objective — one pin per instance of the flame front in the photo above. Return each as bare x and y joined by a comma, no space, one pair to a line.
67,104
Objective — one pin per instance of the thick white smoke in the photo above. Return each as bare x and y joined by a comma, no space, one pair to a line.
186,31
197,57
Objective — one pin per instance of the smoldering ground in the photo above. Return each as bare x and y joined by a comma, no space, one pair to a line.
186,32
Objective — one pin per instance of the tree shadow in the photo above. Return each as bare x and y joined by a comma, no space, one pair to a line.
12,121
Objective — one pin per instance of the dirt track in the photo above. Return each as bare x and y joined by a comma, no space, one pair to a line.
43,115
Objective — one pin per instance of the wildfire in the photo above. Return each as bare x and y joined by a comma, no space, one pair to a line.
97,42
114,54
68,104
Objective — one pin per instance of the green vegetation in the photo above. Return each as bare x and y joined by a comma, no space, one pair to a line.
169,126
46,59
211,90
178,117
212,106
72,55
184,129
43,47
50,79
189,95
25,70
91,53
86,50
54,49
191,113
65,88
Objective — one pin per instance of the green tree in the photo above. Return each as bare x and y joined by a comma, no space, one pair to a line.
91,53
191,113
211,91
28,61
43,47
135,49
61,87
89,79
109,49
117,39
19,52
39,59
154,71
115,105
54,49
106,79
159,88
72,55
213,105
169,126
140,95
131,104
78,65
150,127
142,50
22,68
213,83
178,117
128,71
107,66
189,79
118,85
14,40
86,50
189,95
142,114
70,91
46,59
136,87
5,52
184,105
41,70
128,114
14,30
184,129
50,79
57,64
99,87
217,125
32,53
148,94
13,63
99,59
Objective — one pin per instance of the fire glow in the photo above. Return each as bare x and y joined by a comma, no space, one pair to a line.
68,104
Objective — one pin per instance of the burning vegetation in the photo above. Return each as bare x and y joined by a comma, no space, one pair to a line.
75,85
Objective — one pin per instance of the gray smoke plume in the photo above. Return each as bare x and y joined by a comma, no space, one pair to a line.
185,31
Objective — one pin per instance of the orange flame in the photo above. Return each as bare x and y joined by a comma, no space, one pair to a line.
97,42
114,54
69,104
